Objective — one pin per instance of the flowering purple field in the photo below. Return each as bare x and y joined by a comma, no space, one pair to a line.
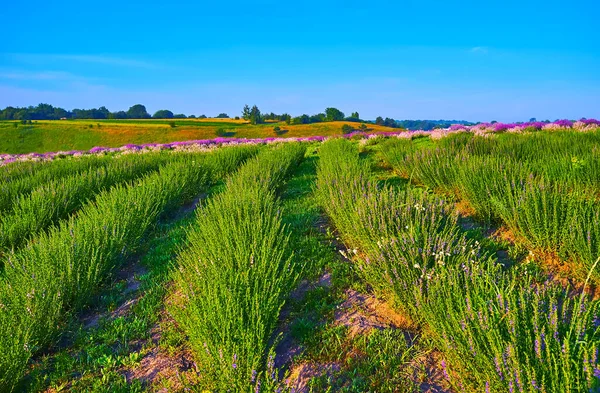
191,145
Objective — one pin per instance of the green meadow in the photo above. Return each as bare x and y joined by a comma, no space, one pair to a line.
42,136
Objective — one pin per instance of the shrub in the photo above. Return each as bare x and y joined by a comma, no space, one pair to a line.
346,129
172,124
236,274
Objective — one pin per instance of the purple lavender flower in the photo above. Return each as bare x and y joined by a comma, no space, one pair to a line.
498,369
590,122
257,387
564,123
444,370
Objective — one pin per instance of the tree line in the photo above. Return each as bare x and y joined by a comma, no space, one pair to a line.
427,125
49,112
254,116
138,111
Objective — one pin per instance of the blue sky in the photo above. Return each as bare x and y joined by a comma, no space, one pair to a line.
473,60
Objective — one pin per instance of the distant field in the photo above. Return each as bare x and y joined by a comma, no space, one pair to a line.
56,135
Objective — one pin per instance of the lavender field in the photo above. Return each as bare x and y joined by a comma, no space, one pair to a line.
455,260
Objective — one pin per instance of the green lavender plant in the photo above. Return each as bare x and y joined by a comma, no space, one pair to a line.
498,331
57,273
235,275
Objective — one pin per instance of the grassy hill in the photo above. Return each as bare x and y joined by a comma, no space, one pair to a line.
63,135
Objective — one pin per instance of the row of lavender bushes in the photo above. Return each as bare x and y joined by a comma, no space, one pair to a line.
235,275
542,187
44,284
55,200
583,125
191,145
497,330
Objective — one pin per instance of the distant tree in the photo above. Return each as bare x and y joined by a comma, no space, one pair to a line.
333,114
191,116
304,119
389,122
493,122
223,116
8,113
532,119
255,116
138,111
59,113
118,115
22,114
202,117
318,118
355,115
246,112
102,113
79,114
236,118
286,118
180,116
41,112
379,121
346,128
163,114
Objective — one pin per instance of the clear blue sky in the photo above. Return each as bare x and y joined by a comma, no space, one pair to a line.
473,60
